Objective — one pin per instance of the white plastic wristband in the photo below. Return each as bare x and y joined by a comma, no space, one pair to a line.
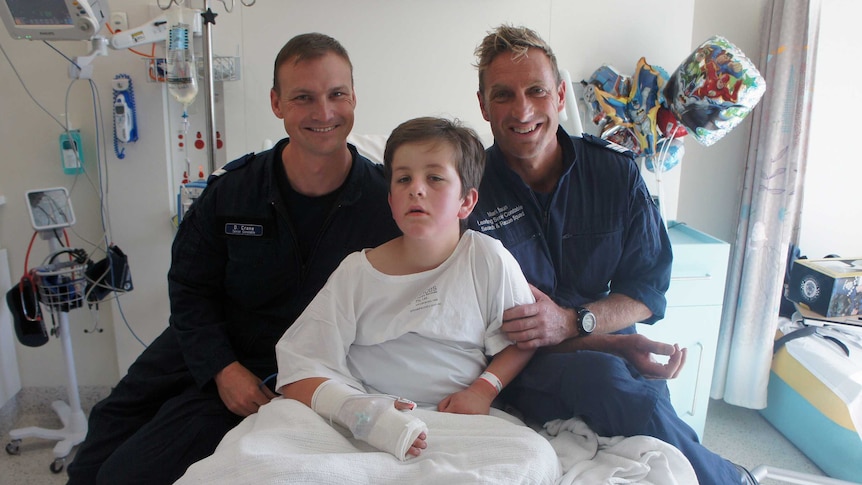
493,380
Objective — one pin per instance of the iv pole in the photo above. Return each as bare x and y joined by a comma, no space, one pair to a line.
209,85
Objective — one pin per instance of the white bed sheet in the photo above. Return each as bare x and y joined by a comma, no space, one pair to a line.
286,442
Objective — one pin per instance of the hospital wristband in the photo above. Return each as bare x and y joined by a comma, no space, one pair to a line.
493,380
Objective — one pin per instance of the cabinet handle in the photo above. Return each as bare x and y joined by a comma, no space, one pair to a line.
706,276
696,380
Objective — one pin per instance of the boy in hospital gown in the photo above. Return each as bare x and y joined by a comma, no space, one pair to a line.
416,318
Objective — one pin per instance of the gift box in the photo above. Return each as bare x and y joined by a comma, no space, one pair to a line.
831,287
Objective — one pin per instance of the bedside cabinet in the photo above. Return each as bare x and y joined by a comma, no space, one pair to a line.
692,318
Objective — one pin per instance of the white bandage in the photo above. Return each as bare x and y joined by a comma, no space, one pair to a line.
371,418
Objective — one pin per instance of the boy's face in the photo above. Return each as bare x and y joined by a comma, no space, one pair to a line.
316,102
425,191
522,102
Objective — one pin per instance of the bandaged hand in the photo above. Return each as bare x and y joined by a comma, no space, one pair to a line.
371,418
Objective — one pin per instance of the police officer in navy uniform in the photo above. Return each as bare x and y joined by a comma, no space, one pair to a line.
577,216
250,254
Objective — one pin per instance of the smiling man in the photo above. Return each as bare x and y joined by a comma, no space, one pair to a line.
249,256
577,216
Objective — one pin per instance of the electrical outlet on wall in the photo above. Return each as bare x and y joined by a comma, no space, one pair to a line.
119,21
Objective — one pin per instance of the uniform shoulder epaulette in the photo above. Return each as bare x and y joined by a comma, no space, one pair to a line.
238,163
594,140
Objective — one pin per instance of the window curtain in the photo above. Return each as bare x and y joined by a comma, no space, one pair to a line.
770,205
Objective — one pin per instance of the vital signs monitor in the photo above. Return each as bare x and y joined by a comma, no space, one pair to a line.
53,19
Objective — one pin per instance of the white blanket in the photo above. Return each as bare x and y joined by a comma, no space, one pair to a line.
286,442
588,458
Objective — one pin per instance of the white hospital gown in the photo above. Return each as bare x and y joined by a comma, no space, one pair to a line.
421,336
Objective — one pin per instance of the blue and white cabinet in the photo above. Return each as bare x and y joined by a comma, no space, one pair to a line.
693,316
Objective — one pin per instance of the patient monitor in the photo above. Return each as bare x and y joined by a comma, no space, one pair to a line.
53,19
77,20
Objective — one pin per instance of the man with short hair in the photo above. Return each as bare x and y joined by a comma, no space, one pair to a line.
249,256
578,218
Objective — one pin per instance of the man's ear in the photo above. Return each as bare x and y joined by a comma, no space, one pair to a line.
468,203
274,103
482,105
561,94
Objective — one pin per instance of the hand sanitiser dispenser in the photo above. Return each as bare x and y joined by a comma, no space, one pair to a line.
71,154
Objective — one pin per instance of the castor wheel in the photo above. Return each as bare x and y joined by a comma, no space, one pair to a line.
57,465
14,447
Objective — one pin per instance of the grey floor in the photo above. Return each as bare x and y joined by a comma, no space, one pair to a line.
740,435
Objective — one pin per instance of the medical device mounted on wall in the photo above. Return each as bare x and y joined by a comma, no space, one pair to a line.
53,19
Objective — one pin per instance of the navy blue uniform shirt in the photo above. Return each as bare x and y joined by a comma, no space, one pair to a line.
597,232
237,279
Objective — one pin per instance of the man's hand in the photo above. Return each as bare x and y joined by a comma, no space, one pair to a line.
240,390
538,324
639,350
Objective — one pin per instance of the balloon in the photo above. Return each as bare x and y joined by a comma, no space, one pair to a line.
623,136
644,103
609,80
625,109
713,90
670,153
669,126
607,110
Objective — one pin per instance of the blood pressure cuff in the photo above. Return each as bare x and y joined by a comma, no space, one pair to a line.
108,275
26,314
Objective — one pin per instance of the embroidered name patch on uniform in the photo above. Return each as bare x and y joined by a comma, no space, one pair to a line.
240,229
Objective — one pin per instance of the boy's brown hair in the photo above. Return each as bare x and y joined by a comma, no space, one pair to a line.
469,151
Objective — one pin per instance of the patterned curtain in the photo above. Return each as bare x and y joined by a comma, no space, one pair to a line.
771,203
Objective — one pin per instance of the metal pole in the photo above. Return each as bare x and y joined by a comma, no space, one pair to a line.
209,88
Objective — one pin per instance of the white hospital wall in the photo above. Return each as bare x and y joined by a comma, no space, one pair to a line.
711,177
10,378
411,58
30,160
831,204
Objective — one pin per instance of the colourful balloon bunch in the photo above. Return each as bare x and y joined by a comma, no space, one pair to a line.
708,95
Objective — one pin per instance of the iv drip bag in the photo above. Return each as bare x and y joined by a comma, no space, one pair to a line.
182,76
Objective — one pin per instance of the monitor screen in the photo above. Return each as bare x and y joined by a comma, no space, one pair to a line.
50,208
39,12
52,19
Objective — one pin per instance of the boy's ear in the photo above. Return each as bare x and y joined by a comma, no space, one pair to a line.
468,203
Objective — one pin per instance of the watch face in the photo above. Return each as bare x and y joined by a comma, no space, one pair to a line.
588,322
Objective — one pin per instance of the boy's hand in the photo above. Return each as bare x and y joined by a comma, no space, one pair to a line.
476,399
419,444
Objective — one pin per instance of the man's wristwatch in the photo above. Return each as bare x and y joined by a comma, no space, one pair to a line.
586,321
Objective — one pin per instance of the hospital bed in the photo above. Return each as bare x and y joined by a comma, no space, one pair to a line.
286,442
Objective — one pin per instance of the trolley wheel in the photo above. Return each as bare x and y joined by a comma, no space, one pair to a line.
57,465
14,447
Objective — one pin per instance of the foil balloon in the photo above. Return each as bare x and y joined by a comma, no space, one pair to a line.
607,110
605,93
669,154
644,103
625,109
668,125
624,136
713,90
609,80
